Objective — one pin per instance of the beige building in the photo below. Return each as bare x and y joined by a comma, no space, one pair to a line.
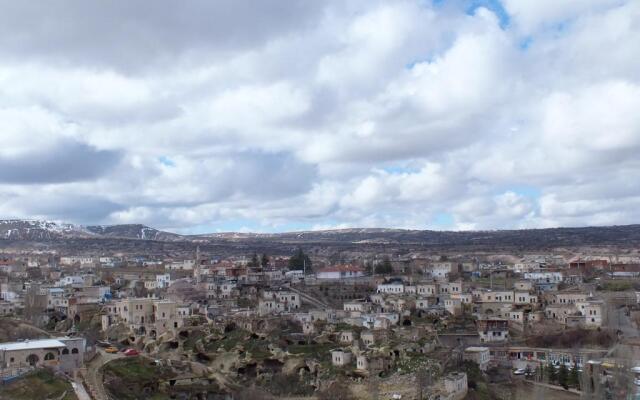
450,288
278,302
358,306
523,298
340,358
455,385
569,297
347,337
479,355
144,315
453,306
422,304
592,312
62,354
429,289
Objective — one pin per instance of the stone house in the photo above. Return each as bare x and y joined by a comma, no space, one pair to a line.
63,354
340,357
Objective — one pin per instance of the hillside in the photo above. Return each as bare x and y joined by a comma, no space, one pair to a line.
132,231
19,234
37,230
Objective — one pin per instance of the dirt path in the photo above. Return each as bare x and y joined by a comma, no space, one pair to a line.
528,390
93,377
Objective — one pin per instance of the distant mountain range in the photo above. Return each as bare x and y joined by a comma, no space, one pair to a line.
625,235
38,230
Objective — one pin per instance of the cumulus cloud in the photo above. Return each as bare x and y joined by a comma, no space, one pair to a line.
229,115
66,161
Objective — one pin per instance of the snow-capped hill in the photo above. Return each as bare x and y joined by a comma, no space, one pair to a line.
38,230
132,231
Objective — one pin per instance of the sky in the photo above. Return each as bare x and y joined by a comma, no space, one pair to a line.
268,116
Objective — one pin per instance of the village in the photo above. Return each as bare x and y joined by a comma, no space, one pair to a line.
382,327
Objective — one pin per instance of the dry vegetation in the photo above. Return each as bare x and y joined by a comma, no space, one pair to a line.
573,338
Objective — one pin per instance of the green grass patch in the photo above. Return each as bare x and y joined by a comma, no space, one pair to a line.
259,349
228,342
317,351
190,342
135,378
615,286
40,384
411,363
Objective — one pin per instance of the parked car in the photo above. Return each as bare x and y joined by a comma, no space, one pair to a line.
103,343
131,352
519,371
111,350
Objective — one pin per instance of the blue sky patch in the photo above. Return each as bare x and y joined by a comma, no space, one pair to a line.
525,43
494,5
443,220
164,160
527,191
399,170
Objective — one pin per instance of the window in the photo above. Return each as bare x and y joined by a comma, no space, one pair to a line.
49,356
65,351
74,351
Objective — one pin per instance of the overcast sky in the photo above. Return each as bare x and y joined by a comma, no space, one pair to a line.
244,115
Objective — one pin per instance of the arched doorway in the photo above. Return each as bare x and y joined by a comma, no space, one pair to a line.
49,357
32,359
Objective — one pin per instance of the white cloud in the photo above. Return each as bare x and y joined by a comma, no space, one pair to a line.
343,114
531,15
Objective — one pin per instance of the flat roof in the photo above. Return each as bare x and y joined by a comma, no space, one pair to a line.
32,344
475,349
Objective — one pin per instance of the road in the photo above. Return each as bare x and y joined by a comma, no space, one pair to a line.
81,393
93,377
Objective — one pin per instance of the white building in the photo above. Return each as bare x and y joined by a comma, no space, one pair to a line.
440,271
73,280
163,281
184,265
340,358
73,260
544,277
493,330
395,288
340,272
